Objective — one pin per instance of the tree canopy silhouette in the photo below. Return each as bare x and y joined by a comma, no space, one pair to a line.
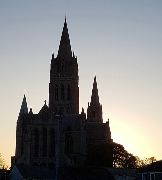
121,158
100,155
2,162
114,155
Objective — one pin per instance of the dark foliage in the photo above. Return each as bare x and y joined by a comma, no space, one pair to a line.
100,155
123,159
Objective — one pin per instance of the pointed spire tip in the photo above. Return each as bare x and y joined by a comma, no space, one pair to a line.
65,47
95,78
24,107
65,18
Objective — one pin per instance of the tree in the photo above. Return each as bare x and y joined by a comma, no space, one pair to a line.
145,162
115,155
121,158
118,155
139,162
100,155
150,160
2,162
131,161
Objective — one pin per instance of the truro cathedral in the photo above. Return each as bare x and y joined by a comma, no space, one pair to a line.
60,136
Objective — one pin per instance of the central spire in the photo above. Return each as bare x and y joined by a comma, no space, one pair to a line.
65,47
63,86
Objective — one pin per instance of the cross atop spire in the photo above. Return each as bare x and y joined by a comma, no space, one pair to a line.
24,107
65,47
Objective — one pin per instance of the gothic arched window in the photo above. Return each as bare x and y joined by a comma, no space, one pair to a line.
68,144
61,111
36,142
56,92
22,147
52,142
68,109
68,92
94,113
56,110
44,144
62,68
62,92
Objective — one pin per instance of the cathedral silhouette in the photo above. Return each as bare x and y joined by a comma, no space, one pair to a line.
59,136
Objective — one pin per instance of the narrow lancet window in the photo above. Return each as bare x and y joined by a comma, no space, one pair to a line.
93,113
61,111
68,144
36,143
51,142
56,110
68,93
62,92
44,144
56,92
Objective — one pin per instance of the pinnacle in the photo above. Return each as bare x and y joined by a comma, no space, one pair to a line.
95,84
95,105
95,97
95,78
24,107
24,98
65,18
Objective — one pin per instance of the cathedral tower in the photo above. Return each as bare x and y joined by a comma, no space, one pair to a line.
20,144
94,110
63,86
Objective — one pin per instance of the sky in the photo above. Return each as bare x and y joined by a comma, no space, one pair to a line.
119,41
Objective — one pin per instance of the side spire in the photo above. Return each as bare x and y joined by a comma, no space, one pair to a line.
94,97
65,47
94,110
24,107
